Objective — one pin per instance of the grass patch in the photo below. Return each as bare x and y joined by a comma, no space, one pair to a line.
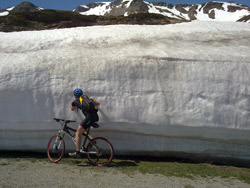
177,169
185,170
132,166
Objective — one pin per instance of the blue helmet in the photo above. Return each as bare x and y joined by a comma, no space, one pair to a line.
78,92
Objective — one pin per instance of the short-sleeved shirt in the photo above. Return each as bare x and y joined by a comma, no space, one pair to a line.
78,104
83,107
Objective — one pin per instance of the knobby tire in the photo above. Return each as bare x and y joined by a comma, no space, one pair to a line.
55,154
104,152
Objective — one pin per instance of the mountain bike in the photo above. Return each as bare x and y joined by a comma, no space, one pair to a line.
99,150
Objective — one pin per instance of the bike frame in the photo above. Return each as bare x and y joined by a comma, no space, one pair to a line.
66,130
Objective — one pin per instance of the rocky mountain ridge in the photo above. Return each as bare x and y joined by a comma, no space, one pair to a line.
213,10
27,16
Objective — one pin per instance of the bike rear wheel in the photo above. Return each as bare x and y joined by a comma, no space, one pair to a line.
55,149
100,152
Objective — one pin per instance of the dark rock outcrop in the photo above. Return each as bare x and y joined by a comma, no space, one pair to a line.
25,7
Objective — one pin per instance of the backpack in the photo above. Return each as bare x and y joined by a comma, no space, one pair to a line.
87,103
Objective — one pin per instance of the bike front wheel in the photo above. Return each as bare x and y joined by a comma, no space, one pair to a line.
100,151
55,149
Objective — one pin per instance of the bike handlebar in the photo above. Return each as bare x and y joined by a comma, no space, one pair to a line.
64,120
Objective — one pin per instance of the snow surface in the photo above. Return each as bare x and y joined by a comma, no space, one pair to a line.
128,2
10,9
99,10
162,89
223,15
4,13
152,8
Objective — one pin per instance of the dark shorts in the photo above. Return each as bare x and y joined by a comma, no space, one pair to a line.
89,120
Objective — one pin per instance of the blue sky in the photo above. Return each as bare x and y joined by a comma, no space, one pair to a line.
72,4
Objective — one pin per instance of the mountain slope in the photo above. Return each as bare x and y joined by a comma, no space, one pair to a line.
27,16
209,11
22,7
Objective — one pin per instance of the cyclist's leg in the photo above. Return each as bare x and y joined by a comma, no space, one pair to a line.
78,137
82,128
92,118
78,142
79,133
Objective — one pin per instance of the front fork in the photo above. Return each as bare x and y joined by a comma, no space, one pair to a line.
58,141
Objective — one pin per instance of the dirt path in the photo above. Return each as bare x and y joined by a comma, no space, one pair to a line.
28,173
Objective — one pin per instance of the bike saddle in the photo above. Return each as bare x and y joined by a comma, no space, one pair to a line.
95,125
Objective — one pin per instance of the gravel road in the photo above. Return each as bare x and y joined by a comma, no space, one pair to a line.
28,173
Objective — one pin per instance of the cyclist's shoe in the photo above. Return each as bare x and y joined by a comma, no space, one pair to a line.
76,154
83,150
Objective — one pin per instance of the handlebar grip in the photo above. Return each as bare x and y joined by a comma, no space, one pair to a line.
56,119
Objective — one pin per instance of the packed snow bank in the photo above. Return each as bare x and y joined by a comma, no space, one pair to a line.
180,88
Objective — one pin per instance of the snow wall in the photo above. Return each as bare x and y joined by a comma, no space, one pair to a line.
171,90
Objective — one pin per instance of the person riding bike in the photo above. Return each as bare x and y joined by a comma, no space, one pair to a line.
87,106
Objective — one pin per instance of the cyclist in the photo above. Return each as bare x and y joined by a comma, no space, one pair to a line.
90,114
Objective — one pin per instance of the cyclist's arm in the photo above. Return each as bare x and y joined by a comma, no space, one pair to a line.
73,106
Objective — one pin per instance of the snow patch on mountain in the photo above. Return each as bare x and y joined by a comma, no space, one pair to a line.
222,14
98,10
6,12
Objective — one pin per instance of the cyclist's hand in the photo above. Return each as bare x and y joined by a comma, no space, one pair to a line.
73,108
